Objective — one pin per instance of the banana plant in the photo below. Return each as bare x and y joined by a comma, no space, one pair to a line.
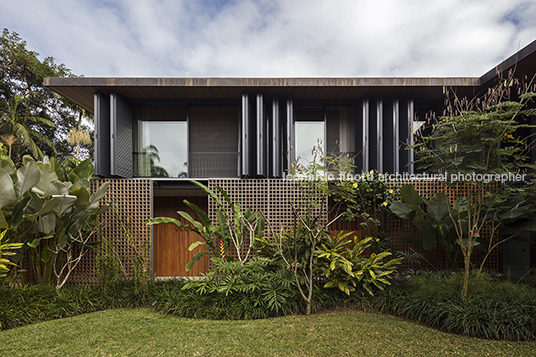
429,216
51,213
234,228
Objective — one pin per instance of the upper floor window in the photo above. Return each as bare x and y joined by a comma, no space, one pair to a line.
330,129
195,142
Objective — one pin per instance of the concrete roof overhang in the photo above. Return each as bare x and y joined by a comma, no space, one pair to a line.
81,90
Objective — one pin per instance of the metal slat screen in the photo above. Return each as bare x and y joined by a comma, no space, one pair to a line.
213,141
121,120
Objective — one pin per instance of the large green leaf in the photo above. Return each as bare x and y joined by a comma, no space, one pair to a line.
429,241
82,195
28,177
438,207
195,245
80,183
402,210
58,169
203,217
97,196
59,188
10,168
410,195
7,191
64,204
46,178
159,220
190,219
208,192
84,170
46,224
3,222
197,256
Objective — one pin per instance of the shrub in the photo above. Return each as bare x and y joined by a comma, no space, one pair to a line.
492,309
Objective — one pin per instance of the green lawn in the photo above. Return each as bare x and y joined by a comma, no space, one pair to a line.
144,332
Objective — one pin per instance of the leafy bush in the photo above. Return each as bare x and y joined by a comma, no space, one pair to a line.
36,303
492,309
347,269
232,291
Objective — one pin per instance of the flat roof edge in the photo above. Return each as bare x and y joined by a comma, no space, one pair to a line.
260,82
510,62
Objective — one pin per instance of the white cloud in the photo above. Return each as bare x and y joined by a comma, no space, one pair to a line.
274,38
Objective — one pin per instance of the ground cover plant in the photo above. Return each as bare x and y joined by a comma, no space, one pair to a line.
145,332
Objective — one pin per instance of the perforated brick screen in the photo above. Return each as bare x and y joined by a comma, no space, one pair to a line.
123,224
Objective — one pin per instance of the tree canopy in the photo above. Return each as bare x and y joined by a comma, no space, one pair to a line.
34,119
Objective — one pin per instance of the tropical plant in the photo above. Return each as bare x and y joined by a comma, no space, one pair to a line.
429,216
52,214
477,138
235,229
6,250
345,267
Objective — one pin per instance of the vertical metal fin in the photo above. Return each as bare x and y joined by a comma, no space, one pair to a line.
102,134
121,138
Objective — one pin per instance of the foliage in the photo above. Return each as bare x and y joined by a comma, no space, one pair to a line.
6,250
38,118
268,292
346,268
51,213
236,229
429,216
477,136
362,197
492,309
33,303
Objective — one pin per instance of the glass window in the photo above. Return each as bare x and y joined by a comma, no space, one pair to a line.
161,145
309,135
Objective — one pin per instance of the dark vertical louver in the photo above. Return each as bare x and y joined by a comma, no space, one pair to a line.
361,136
121,140
102,134
261,136
246,138
411,114
373,136
290,133
276,140
405,135
390,136
379,135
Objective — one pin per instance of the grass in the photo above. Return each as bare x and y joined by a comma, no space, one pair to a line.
143,332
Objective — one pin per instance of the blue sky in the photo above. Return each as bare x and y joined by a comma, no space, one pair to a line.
278,38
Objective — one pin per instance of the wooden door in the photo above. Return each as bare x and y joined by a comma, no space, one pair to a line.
170,251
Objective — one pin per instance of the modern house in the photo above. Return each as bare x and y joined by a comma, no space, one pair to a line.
153,135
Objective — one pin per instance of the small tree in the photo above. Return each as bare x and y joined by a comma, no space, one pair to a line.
478,137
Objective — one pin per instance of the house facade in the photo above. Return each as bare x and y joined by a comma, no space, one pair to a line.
244,134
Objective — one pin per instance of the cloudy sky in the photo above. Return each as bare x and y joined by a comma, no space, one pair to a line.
273,38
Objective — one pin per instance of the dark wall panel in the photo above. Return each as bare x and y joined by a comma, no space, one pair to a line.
102,134
121,140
